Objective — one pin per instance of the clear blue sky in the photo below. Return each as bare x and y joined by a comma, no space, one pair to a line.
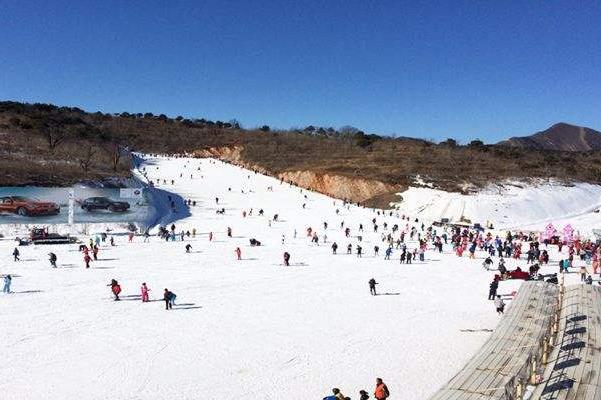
438,69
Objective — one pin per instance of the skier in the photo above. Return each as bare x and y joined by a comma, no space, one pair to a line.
363,395
359,251
144,289
349,249
238,253
372,286
499,305
95,252
502,268
210,236
492,293
16,254
87,259
334,247
7,281
388,253
376,251
229,232
169,298
188,247
115,288
381,392
286,259
487,263
52,258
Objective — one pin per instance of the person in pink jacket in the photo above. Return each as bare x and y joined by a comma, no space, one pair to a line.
145,291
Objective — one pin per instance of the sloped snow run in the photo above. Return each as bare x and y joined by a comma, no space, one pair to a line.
250,328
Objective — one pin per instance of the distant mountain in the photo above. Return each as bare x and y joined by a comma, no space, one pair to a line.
560,136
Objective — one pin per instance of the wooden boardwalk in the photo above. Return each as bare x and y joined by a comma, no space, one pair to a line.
574,367
503,365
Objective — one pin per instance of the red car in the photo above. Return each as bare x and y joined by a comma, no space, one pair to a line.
27,207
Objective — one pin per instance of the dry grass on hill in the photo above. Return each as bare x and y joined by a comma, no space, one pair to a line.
88,143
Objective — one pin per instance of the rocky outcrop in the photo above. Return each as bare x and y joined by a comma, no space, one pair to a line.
337,186
231,154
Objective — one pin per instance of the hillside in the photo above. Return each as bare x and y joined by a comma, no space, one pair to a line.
562,137
48,145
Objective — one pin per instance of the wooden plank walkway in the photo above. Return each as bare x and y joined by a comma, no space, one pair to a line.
574,367
505,360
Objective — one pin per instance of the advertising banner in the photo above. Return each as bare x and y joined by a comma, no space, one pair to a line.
35,205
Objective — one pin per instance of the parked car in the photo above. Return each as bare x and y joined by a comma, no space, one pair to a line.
104,203
25,206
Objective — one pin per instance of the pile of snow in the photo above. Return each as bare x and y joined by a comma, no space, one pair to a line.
509,206
249,329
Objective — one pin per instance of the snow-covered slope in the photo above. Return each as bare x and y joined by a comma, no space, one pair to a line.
510,206
248,329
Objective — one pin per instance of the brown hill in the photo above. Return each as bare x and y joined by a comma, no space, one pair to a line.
44,144
561,136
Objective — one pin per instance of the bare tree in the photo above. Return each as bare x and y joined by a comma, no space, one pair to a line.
86,159
54,136
114,151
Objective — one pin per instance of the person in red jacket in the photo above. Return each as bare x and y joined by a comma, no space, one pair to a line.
87,259
239,253
381,392
115,288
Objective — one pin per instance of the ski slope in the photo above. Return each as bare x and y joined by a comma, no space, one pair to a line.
510,206
248,329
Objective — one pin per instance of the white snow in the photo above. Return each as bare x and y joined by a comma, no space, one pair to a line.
249,329
510,206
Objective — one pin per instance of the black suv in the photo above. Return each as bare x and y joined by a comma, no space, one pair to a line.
104,203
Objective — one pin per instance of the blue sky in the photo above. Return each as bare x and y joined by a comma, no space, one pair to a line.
431,69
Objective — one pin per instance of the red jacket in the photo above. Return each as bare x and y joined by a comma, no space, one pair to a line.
381,392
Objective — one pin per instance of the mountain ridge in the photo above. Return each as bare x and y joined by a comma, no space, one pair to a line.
561,136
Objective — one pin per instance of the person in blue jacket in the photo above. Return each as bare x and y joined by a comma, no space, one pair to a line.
388,253
336,396
7,282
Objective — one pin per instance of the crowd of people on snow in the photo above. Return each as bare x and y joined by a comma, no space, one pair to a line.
411,240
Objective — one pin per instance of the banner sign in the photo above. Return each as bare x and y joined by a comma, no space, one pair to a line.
33,205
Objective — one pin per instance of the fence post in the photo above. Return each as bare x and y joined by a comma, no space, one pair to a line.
533,372
546,349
